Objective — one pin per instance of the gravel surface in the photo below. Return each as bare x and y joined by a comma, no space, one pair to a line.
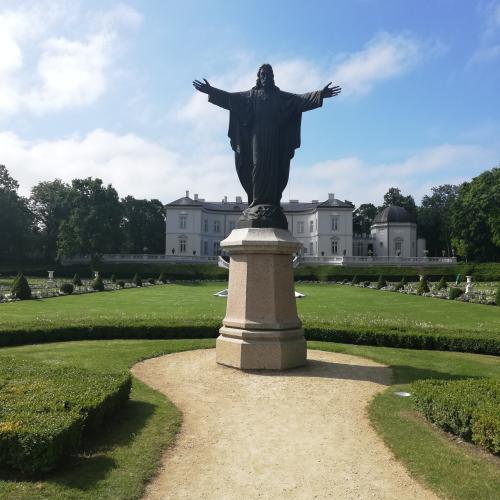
299,434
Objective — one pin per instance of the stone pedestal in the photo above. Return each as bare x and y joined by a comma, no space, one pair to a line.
261,329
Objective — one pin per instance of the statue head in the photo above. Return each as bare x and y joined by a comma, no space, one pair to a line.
265,77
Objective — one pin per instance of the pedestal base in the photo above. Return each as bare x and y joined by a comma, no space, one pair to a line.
261,349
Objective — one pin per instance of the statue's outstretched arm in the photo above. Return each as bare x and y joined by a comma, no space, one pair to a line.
329,91
215,96
313,100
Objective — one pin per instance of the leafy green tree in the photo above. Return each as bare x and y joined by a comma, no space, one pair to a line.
434,220
362,218
475,219
93,223
143,226
16,220
395,197
49,204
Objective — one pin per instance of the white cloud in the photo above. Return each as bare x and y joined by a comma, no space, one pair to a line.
66,72
489,44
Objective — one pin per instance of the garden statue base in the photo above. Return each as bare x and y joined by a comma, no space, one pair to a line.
261,330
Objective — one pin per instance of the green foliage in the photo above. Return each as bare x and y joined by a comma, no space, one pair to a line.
355,280
45,411
362,218
136,280
121,283
423,286
469,408
76,280
113,278
20,288
381,283
394,197
151,281
441,284
162,278
98,284
67,288
454,292
497,295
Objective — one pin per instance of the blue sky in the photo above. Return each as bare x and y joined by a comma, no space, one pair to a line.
103,89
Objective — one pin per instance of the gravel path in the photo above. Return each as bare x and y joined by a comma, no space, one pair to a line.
300,434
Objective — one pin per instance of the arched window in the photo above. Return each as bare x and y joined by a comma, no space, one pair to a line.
335,247
398,246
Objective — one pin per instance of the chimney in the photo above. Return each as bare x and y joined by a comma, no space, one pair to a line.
187,193
225,199
238,199
331,196
195,197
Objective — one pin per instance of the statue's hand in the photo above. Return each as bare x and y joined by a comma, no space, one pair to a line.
330,91
202,87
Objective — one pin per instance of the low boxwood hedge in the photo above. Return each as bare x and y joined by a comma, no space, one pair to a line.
468,408
46,411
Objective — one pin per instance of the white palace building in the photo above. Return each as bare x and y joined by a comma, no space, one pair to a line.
195,228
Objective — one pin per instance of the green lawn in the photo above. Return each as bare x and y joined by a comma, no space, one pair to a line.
338,312
117,464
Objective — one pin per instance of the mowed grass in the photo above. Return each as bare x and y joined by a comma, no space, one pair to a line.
118,463
329,307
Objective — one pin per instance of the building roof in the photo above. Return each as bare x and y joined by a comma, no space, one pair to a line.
294,206
393,214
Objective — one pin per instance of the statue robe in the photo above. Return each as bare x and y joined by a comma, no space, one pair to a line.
264,130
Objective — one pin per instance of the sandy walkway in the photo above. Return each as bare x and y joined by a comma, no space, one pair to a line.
300,434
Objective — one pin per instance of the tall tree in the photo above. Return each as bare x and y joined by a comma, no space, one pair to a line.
49,204
434,219
362,218
93,223
396,198
476,218
143,226
16,220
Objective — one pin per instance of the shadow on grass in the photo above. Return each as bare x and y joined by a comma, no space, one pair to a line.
83,471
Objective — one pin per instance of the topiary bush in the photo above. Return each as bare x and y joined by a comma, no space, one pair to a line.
441,284
76,280
454,292
45,411
98,284
381,283
151,281
162,278
468,408
121,283
355,280
20,288
423,286
113,278
67,288
136,280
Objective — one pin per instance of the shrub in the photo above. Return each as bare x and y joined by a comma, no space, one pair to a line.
497,295
404,281
67,288
381,283
98,284
441,284
467,408
136,280
113,278
454,292
162,278
121,283
366,283
20,288
355,280
76,280
45,411
423,286
151,281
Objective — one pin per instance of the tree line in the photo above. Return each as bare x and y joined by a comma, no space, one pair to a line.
461,220
84,217
87,217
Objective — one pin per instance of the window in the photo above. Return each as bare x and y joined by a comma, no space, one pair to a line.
232,225
300,227
335,248
335,222
205,225
398,244
311,226
182,245
216,247
182,221
311,248
216,226
205,247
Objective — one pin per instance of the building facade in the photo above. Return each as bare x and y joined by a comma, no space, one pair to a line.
195,227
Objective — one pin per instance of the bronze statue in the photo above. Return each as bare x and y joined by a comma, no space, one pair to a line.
264,130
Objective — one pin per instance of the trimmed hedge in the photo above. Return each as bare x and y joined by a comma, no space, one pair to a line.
45,411
469,408
67,288
98,284
20,288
